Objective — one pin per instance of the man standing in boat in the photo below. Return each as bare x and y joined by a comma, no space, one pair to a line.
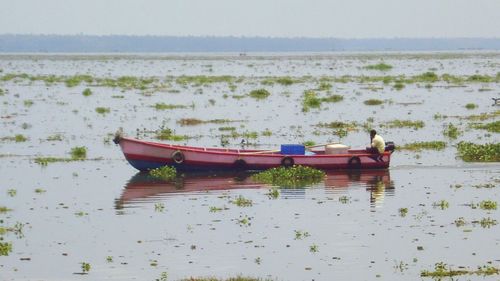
377,143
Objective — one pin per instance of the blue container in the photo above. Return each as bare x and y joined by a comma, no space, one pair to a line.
293,149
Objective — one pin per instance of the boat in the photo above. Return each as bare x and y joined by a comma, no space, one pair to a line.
147,155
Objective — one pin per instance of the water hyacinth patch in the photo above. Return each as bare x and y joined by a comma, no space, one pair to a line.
295,176
259,94
471,152
164,173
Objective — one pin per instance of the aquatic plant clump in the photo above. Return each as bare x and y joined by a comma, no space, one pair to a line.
379,66
78,153
493,127
373,102
5,248
417,146
164,173
259,94
404,124
471,152
443,270
295,176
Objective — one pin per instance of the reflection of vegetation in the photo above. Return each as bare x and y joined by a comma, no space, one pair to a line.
417,146
471,152
164,173
296,176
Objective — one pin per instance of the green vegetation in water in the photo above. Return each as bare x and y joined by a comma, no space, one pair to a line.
164,106
5,248
398,86
259,94
471,106
85,267
273,193
333,98
324,86
443,270
199,80
102,110
16,138
482,116
349,126
166,173
11,192
75,80
300,234
295,176
313,248
311,100
493,127
78,153
4,209
443,204
56,137
451,131
28,103
418,146
373,102
379,66
194,121
168,134
404,124
488,205
267,133
241,201
403,212
159,207
87,92
471,152
486,222
40,190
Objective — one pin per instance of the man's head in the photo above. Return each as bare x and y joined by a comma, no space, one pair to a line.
373,133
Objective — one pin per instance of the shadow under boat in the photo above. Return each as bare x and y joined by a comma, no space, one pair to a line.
142,186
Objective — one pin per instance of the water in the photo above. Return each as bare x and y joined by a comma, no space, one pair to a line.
94,209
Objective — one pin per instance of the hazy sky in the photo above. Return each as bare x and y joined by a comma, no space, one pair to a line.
283,18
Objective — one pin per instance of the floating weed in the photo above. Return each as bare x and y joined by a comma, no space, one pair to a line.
159,207
379,66
427,77
485,185
313,248
85,267
87,92
273,193
373,102
102,110
488,205
78,153
398,86
344,199
164,106
418,146
404,124
109,259
295,176
259,94
482,116
199,80
300,234
244,221
40,190
194,121
349,126
168,134
267,133
493,127
236,278
258,260
443,204
486,222
310,100
56,137
471,106
403,212
166,173
227,129
214,209
164,277
333,98
460,222
28,103
4,209
241,201
471,152
451,131
11,192
324,86
443,270
5,248
81,214
16,138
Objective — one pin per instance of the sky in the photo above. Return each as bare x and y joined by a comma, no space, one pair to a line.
267,18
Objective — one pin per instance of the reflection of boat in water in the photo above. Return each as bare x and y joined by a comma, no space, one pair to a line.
143,187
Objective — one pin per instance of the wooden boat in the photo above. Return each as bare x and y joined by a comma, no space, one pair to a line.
145,155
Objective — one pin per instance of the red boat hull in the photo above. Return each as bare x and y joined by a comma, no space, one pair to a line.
144,155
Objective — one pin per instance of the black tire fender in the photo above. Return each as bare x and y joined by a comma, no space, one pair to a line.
354,163
287,161
240,164
178,157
